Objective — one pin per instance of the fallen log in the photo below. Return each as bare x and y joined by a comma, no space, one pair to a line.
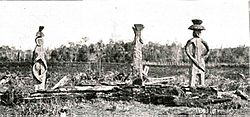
190,102
61,94
227,94
96,88
214,101
242,95
79,89
62,82
233,94
36,98
159,80
168,100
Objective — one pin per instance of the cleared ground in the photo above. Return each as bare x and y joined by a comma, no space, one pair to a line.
224,77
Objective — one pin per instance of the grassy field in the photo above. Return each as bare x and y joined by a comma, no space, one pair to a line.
21,77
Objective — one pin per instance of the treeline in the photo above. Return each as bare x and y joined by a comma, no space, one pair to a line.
121,52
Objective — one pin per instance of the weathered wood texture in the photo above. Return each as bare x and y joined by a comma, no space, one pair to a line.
39,68
137,55
195,51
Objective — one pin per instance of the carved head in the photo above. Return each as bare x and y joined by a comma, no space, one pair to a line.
39,41
41,28
196,27
137,29
197,33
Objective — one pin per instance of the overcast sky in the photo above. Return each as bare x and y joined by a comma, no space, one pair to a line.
226,21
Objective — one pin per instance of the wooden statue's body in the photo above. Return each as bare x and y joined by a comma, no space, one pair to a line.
39,68
137,55
195,51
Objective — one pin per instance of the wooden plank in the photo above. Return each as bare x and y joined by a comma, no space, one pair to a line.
80,89
162,78
83,88
36,98
54,94
159,80
62,82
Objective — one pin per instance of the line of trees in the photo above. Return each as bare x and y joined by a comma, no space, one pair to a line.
121,52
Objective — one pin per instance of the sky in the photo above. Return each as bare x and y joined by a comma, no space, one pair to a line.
165,21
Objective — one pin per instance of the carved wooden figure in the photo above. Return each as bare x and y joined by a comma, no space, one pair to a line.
197,50
137,55
39,68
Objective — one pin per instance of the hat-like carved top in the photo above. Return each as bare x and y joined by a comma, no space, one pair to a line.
197,21
138,27
41,28
196,25
137,30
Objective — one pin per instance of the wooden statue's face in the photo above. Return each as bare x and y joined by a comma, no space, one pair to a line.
197,33
39,41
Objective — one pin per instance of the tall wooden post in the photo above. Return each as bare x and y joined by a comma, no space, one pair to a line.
137,55
194,50
39,68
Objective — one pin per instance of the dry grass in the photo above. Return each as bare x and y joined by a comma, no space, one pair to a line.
23,85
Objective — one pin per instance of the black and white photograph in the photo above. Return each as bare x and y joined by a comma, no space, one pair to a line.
124,58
